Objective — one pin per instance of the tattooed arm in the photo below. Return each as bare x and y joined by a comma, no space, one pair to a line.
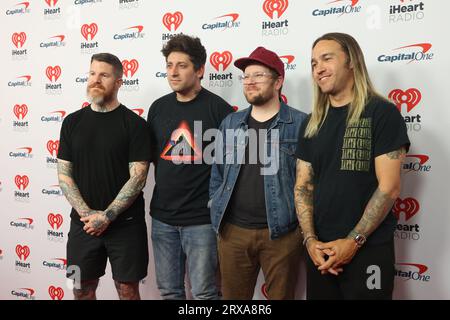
70,188
96,224
387,169
303,192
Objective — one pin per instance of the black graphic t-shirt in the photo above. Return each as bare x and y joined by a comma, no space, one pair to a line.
100,146
180,196
343,161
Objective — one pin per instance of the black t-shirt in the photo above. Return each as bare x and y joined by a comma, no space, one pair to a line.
247,206
100,146
180,196
343,161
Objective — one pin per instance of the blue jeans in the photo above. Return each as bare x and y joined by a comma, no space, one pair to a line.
174,248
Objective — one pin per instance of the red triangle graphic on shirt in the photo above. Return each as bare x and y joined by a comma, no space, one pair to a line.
181,135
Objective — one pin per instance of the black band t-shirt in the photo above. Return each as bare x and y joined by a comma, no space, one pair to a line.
343,162
181,195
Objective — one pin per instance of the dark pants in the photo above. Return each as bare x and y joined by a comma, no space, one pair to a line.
243,252
370,275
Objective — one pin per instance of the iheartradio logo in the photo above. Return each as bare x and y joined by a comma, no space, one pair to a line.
264,291
55,221
130,67
22,252
19,39
174,19
21,182
89,31
408,206
53,73
411,97
20,111
52,147
51,3
138,111
56,293
284,99
272,6
216,59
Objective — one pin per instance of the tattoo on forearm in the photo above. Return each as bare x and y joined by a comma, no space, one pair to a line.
376,210
303,192
131,189
395,155
70,189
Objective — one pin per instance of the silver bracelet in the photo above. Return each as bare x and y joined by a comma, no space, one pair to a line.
307,238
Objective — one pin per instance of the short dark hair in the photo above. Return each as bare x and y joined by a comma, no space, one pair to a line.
191,46
112,60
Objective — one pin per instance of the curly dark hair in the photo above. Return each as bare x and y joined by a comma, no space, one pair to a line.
191,46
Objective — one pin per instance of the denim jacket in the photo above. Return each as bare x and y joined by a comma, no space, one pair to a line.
278,185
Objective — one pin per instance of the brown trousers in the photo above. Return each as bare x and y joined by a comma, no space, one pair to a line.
243,252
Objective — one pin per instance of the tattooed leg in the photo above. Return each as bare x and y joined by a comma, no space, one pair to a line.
87,291
128,290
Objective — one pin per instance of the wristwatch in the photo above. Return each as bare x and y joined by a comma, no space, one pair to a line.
109,214
360,239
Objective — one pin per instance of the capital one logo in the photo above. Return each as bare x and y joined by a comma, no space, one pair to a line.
22,252
411,97
53,73
51,3
408,206
21,182
271,6
55,220
174,19
89,31
20,111
52,147
354,2
216,59
55,292
130,67
18,39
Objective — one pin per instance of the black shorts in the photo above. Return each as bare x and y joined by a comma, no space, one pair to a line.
125,245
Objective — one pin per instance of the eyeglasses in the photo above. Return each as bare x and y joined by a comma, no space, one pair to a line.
256,77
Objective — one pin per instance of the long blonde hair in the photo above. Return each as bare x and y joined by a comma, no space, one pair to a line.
363,89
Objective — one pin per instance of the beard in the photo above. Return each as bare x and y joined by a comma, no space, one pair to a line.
100,99
258,99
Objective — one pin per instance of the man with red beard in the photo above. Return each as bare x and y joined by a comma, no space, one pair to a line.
103,160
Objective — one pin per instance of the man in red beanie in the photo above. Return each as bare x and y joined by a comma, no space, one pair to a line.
252,183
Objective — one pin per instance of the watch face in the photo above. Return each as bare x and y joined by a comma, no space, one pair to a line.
360,239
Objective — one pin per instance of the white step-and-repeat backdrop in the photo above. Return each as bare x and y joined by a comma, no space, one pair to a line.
45,49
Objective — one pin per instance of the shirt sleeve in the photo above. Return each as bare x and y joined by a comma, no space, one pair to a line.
390,131
65,146
140,142
302,151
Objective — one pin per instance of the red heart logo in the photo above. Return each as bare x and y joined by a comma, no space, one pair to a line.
21,182
130,67
22,252
52,147
270,6
174,19
55,220
20,111
53,73
55,292
89,31
408,206
19,39
223,59
410,97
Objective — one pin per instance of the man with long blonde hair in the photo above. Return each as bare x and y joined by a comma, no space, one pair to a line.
348,176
